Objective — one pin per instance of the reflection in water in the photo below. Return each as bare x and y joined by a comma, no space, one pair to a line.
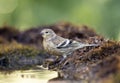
31,76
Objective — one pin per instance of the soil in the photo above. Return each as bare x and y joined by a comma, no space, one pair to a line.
20,50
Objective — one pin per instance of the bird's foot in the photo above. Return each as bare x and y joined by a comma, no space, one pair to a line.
62,60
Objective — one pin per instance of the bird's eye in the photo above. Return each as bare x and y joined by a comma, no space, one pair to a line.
46,32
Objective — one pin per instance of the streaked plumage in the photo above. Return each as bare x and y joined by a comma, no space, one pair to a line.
57,45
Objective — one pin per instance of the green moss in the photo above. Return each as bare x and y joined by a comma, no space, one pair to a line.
117,78
15,56
15,49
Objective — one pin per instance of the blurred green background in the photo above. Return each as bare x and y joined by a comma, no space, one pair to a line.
102,15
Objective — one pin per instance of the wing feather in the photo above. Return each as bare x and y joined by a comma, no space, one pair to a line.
64,44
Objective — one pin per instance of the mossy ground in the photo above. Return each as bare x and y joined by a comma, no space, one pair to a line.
15,49
15,56
23,50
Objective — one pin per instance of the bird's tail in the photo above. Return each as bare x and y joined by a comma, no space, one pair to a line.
93,45
87,45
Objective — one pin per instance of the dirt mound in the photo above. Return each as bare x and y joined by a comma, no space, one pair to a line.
89,64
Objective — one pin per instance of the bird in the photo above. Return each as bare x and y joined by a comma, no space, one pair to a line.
59,46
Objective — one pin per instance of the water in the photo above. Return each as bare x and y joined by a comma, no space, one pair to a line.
29,76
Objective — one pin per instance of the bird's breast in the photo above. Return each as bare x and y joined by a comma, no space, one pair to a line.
50,48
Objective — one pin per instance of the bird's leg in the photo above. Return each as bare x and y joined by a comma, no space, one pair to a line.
64,56
63,59
68,59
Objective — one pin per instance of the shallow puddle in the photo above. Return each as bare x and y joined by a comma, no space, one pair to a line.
31,76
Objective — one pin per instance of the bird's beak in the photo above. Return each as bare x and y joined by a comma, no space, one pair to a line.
41,33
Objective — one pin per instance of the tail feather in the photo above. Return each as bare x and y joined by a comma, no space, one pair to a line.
93,44
87,45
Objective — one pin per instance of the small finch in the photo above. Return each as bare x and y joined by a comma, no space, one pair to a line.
58,46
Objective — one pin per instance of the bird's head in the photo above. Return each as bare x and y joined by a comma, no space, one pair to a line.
47,33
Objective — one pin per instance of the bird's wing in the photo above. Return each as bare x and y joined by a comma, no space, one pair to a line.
60,43
64,44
